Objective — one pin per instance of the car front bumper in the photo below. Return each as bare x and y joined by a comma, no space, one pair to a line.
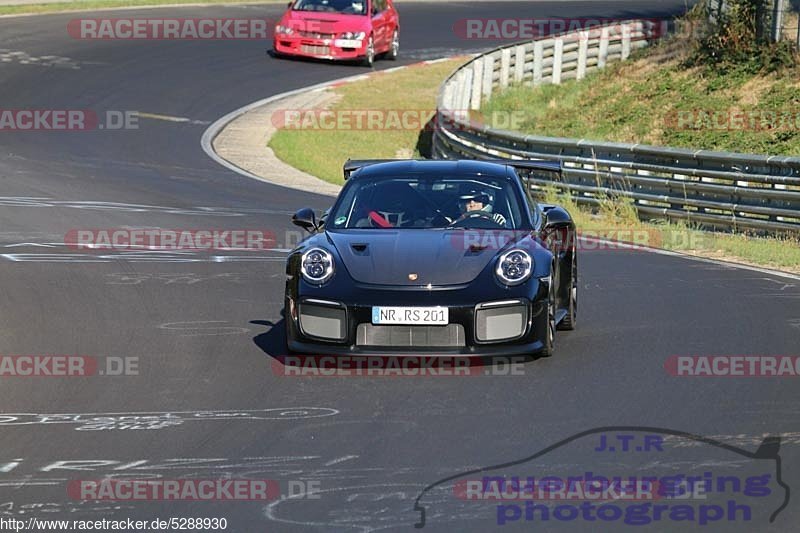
319,48
515,326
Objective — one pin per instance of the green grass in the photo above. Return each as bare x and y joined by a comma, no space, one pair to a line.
658,103
617,220
105,4
321,152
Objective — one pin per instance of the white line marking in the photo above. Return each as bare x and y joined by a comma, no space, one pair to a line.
41,245
159,419
341,460
170,118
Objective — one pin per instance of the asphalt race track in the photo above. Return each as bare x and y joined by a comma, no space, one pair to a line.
206,326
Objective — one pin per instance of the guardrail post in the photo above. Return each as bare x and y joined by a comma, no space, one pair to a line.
519,63
583,49
466,96
777,21
505,67
538,59
447,100
798,32
558,54
626,41
459,93
488,74
477,85
602,55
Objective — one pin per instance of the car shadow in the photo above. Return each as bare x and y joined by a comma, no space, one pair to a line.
273,343
425,139
301,59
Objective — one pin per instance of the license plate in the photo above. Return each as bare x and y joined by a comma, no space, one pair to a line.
347,43
422,316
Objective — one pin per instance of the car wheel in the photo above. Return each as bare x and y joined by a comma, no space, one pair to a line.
369,59
395,48
569,321
550,334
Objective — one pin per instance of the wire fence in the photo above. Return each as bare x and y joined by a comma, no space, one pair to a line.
776,19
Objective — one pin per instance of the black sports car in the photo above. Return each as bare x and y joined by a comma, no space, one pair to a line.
434,257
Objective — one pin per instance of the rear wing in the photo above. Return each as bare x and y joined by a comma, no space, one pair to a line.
351,165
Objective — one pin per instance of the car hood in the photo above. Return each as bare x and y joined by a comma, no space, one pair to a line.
325,22
388,257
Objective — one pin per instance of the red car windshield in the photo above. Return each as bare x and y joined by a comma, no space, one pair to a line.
345,7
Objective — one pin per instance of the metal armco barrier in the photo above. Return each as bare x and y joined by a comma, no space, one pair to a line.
716,189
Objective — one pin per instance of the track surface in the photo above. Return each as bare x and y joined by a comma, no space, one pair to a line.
205,331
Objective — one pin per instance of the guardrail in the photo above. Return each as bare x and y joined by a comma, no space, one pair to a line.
715,189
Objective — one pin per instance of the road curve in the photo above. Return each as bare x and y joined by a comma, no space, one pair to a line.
205,327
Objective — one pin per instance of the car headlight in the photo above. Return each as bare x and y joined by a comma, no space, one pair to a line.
357,35
514,267
285,30
316,264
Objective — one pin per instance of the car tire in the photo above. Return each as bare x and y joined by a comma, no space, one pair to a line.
369,59
550,333
394,49
568,322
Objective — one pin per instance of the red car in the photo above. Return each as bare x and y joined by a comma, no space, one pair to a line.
339,29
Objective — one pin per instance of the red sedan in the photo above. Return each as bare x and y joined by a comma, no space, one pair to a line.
339,29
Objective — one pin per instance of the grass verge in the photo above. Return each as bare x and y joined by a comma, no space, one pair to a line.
651,100
56,7
320,150
616,220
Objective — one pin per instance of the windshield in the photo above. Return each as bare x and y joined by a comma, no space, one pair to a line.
428,202
347,7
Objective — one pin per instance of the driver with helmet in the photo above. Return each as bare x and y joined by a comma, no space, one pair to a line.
476,202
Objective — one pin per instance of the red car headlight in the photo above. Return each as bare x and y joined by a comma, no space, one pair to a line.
353,35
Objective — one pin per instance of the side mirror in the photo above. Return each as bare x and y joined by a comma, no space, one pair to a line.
306,219
323,218
556,230
289,5
555,217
